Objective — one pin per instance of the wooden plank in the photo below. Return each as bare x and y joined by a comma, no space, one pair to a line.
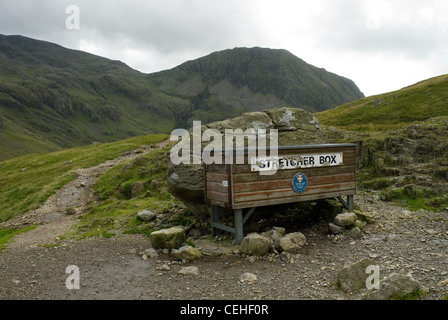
216,168
223,204
285,183
217,177
217,186
289,192
218,196
271,202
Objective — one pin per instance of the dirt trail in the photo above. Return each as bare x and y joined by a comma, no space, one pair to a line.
52,217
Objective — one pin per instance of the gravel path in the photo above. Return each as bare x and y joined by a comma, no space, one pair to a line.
33,266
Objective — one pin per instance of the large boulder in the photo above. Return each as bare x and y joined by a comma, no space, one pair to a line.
345,219
295,127
171,238
397,287
352,277
255,244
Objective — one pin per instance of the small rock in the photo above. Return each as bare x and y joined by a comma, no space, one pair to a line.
354,233
151,252
365,217
431,232
443,283
334,229
249,278
290,242
189,270
345,219
146,215
186,252
255,244
275,233
360,224
285,257
352,277
164,267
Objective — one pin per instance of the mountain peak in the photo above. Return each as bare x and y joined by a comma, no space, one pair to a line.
263,77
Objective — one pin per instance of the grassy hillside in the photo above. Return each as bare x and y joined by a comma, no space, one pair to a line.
419,102
28,181
52,98
402,141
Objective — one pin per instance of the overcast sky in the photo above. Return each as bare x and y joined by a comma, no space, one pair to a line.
382,45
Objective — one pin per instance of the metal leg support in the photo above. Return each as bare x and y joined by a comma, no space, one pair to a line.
350,204
238,226
239,221
215,219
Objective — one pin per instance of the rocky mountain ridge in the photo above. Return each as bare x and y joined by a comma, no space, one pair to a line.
52,97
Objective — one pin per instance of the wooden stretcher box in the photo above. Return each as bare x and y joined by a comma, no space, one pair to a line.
297,173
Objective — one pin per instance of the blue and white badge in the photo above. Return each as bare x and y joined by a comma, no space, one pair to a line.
300,183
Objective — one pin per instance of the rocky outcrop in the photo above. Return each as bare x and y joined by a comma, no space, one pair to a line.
403,163
295,127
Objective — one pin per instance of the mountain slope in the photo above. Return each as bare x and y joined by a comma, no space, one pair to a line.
418,102
52,97
254,79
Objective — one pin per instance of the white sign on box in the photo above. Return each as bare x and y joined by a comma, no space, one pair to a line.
289,162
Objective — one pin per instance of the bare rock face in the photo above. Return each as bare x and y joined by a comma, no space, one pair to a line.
295,127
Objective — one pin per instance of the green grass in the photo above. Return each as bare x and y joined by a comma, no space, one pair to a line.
422,101
120,199
415,198
27,182
7,234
